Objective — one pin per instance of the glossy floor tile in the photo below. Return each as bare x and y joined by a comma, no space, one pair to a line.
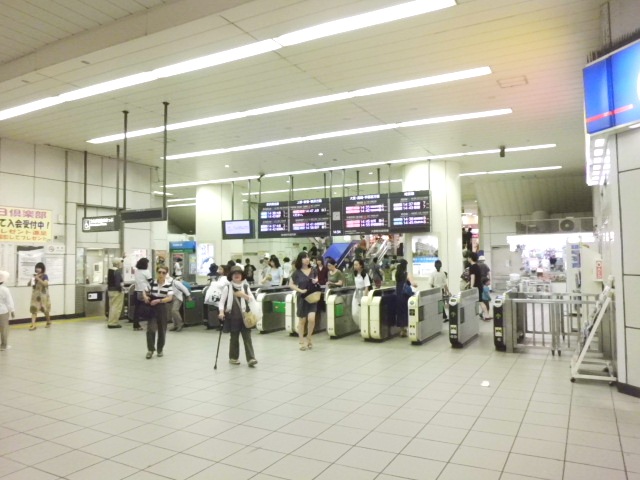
79,401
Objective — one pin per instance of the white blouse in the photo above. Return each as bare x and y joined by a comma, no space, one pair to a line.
362,283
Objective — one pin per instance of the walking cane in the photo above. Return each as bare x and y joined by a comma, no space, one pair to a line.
215,366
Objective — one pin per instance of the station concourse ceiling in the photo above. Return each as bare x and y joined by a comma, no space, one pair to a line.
536,50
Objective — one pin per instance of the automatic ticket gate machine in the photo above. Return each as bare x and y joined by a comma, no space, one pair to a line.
425,319
463,318
291,318
378,315
340,322
499,339
273,301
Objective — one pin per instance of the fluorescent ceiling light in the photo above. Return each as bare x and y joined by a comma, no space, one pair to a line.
321,187
391,87
517,170
182,205
356,22
343,133
162,193
181,199
213,182
376,17
360,166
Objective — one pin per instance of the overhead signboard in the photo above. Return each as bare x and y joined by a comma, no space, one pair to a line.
310,218
273,220
366,214
410,212
106,223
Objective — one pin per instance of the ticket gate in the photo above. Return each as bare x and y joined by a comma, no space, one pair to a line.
273,301
291,320
464,325
498,324
340,322
425,317
378,315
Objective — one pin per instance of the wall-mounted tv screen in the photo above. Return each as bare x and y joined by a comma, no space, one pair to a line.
238,229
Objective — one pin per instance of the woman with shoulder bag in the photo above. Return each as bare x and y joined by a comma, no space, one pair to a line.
233,306
363,284
303,280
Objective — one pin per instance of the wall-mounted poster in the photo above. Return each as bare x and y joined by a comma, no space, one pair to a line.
25,225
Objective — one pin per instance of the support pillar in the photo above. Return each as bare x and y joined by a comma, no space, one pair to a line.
443,180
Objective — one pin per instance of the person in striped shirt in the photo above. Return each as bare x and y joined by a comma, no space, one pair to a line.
158,296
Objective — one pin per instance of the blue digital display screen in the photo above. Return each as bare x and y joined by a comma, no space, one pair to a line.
612,90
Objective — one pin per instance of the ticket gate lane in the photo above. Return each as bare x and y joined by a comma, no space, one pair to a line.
425,318
273,303
340,321
378,315
464,325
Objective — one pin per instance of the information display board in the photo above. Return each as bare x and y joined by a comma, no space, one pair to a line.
365,214
356,215
310,218
410,212
273,220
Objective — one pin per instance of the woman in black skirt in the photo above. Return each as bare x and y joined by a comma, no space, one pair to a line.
302,279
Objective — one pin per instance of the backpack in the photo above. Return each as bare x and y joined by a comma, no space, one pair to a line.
375,273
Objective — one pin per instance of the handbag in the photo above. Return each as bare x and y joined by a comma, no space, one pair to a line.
313,293
407,290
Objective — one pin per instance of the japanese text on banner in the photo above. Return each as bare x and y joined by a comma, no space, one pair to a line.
28,225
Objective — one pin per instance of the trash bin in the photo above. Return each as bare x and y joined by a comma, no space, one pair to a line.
95,297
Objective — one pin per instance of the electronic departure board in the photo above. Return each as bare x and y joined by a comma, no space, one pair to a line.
310,218
357,215
410,212
364,214
273,220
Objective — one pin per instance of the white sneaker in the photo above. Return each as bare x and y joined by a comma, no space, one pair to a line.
234,361
253,362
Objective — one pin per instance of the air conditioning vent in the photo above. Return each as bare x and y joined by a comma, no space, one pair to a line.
569,225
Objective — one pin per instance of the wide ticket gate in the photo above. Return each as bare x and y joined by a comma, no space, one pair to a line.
425,318
340,322
464,325
378,314
273,301
291,319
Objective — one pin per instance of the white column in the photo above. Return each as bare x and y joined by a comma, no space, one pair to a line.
443,180
213,205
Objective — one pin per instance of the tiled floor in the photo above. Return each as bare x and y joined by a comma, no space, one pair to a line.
78,401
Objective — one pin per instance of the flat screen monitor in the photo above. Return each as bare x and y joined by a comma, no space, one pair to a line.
238,229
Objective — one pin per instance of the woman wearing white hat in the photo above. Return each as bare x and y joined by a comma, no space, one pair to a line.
6,309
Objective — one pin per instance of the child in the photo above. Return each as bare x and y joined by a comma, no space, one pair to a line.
486,298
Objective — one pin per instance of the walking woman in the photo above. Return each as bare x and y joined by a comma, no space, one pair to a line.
6,309
302,279
404,282
40,301
142,278
159,295
233,303
335,277
363,283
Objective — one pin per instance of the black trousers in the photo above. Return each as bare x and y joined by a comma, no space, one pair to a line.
158,324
